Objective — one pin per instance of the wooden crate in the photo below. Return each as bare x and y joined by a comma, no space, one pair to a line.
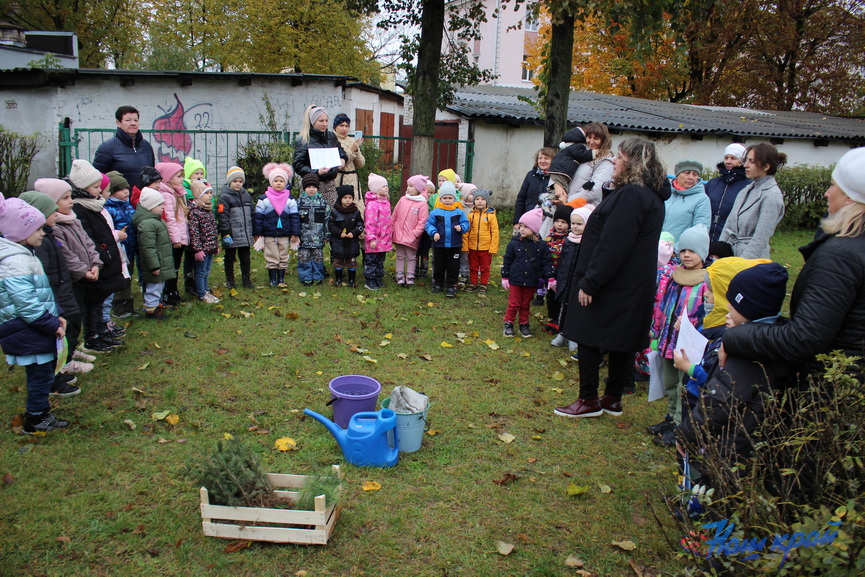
274,525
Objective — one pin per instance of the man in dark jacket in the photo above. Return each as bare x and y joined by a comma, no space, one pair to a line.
127,151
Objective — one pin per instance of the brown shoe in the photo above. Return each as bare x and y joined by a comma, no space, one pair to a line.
581,408
611,405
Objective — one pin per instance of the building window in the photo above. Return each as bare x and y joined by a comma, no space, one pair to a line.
531,24
528,73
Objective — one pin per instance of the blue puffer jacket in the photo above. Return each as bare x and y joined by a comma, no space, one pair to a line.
686,208
121,212
265,221
124,154
442,220
28,313
526,262
722,191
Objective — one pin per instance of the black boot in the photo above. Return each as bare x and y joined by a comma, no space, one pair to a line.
280,277
247,282
351,275
422,267
272,274
229,278
337,274
189,285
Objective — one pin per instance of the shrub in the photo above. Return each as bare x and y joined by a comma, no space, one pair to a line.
252,157
372,154
803,188
16,156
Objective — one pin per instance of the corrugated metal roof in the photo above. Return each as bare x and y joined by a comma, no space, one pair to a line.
627,113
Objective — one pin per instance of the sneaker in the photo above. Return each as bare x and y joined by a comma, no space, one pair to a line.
581,408
662,427
451,292
471,288
370,286
63,378
525,331
572,346
111,341
115,330
436,288
230,285
559,341
630,389
666,439
79,367
42,423
63,390
83,357
611,405
509,330
96,346
209,299
156,314
575,356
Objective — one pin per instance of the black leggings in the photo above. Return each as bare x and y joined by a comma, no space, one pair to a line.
620,371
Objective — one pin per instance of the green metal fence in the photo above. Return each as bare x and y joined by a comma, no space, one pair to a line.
218,149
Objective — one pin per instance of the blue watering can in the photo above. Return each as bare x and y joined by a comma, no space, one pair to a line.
370,439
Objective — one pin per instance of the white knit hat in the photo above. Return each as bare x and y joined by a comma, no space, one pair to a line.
849,174
83,174
737,150
150,198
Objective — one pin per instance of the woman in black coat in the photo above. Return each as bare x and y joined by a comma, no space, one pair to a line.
613,285
827,305
314,134
534,184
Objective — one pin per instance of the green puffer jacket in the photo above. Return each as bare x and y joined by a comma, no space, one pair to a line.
154,246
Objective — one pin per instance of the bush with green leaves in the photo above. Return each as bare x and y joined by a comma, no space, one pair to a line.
232,475
16,156
803,188
802,490
252,157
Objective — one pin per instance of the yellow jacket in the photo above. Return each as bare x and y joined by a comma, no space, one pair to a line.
483,233
721,272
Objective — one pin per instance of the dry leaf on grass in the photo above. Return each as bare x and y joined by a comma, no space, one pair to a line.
433,432
402,356
573,561
604,488
371,486
507,438
558,376
285,444
139,530
159,415
172,419
129,423
576,490
369,359
503,548
64,539
625,545
426,357
227,436
446,345
8,479
236,546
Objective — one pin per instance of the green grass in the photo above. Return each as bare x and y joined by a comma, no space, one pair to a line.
103,499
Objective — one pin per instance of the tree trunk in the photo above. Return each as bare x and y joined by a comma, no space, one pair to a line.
425,85
559,89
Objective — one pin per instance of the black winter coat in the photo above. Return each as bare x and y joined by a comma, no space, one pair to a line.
326,139
111,275
722,192
617,266
349,222
827,309
126,155
526,262
50,254
534,186
567,262
234,216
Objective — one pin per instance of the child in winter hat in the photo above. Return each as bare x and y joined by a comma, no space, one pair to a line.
18,220
235,172
757,293
533,219
83,174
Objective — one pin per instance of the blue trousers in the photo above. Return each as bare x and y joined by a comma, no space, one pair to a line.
39,381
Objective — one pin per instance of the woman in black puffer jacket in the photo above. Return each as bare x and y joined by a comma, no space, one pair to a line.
534,184
314,134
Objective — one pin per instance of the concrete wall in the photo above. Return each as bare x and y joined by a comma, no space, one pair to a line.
504,154
210,103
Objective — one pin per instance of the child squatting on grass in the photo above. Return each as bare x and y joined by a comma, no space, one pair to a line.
527,259
30,322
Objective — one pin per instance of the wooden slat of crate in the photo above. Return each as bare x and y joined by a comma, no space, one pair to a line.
317,536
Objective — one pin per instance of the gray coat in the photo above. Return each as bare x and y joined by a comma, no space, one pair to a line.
234,216
755,215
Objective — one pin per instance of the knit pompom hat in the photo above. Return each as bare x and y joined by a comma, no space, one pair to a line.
168,170
449,175
18,220
532,219
149,175
418,181
40,201
758,292
271,170
83,174
150,198
448,188
190,165
310,179
737,150
849,174
117,182
688,164
53,187
235,172
376,182
696,239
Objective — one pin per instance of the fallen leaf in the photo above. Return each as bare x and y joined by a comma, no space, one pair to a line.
493,346
426,357
506,479
285,444
130,423
226,315
537,438
369,359
527,354
370,486
162,441
446,345
190,335
625,545
604,488
157,345
233,292
236,546
172,419
137,390
430,304
291,316
319,372
507,438
532,460
388,336
402,356
433,432
384,343
64,539
159,415
302,294
563,362
227,436
504,548
246,315
573,561
575,490
8,479
221,351
300,573
144,367
557,390
558,376
475,334
139,530
524,538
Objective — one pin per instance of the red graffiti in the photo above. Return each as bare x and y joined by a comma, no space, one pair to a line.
173,146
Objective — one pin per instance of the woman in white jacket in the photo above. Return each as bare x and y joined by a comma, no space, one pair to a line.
591,176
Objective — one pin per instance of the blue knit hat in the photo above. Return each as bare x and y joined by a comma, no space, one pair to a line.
758,292
696,239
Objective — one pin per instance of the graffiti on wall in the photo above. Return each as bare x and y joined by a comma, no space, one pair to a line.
175,146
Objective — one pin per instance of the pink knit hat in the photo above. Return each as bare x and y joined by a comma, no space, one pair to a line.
168,170
105,182
418,181
376,182
271,170
18,220
533,219
53,187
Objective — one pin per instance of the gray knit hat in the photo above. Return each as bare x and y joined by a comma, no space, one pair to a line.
696,239
688,164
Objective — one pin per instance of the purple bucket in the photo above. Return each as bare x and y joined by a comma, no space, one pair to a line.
352,394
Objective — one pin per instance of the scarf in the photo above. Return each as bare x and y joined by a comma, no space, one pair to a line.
94,204
278,200
685,277
577,238
345,209
65,218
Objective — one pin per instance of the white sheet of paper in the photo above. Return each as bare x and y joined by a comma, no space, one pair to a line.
691,340
656,376
323,158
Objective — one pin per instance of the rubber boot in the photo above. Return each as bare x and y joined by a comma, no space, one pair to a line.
280,277
247,281
229,278
337,273
351,278
272,274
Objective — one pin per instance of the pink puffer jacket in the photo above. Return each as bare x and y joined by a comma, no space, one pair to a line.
378,224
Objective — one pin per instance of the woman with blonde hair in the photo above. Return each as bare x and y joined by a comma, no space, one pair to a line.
592,175
612,287
827,305
314,134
